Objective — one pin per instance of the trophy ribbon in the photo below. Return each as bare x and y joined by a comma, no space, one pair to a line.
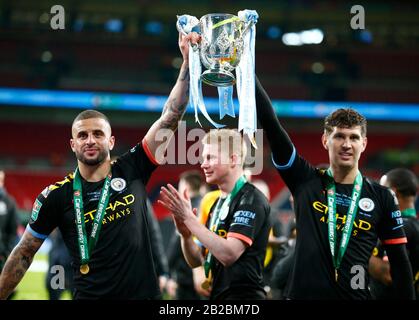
225,101
245,73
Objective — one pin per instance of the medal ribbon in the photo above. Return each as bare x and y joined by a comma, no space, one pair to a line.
409,213
216,218
350,218
86,248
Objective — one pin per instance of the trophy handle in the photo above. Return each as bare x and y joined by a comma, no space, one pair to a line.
180,28
249,18
247,27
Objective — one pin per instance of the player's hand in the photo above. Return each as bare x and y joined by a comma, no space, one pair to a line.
193,38
182,228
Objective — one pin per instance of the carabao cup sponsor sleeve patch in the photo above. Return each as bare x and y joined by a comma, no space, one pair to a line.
246,222
43,217
390,228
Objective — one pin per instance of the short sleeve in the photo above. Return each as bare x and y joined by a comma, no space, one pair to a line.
142,159
43,215
390,227
247,221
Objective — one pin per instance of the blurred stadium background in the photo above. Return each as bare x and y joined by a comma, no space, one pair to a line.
122,57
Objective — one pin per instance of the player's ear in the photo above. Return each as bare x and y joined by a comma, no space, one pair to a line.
111,142
364,144
234,160
72,145
324,141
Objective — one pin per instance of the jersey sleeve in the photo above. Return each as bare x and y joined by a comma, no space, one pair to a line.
43,215
390,227
142,159
247,221
295,172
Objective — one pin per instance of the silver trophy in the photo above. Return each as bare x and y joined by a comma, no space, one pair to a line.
221,46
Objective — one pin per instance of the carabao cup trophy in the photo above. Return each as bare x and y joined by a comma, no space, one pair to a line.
227,44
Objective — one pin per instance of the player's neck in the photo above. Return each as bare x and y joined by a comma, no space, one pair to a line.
406,203
193,194
228,185
94,173
344,175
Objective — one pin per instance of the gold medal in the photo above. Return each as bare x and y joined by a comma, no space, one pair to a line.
206,284
336,275
84,269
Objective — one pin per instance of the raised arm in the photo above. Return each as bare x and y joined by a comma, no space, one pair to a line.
18,262
175,106
281,145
